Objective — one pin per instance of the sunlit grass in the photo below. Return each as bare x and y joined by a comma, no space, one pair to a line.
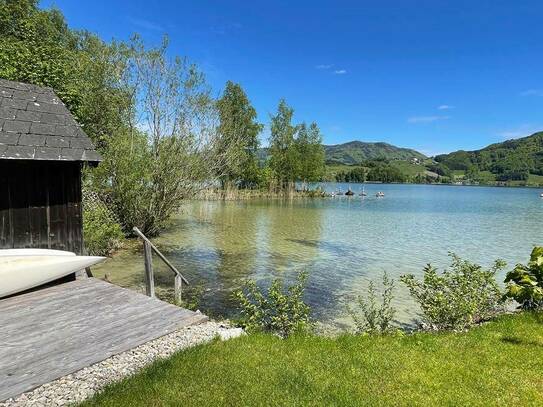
500,363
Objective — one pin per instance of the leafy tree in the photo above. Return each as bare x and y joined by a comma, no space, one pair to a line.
238,136
285,157
166,150
525,282
36,46
311,153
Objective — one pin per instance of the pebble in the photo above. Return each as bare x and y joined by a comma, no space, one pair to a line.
80,385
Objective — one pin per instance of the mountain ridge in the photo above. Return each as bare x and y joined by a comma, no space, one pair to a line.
356,151
512,159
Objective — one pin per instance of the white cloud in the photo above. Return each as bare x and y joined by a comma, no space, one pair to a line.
340,72
324,66
532,92
445,107
426,119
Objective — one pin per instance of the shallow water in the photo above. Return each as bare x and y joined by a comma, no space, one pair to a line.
343,242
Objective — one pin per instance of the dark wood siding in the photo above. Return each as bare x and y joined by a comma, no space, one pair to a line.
40,205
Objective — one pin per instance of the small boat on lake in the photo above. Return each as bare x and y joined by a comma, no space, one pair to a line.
22,269
349,192
380,194
363,193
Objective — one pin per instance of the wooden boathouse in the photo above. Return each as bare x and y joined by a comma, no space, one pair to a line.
56,330
42,151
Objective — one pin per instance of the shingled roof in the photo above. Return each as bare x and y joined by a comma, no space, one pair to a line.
36,125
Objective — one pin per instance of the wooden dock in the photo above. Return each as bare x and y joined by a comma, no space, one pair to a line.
55,331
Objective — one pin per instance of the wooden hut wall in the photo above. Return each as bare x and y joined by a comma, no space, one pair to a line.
40,205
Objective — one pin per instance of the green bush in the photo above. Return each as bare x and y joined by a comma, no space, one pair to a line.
102,235
525,283
374,318
279,311
460,297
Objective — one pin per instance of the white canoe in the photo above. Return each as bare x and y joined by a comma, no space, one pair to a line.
22,269
34,252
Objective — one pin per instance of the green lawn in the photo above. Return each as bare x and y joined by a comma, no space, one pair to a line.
500,363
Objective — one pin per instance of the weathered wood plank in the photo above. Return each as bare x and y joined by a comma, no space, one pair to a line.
52,332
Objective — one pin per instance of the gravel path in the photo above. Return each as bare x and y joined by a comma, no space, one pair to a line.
82,384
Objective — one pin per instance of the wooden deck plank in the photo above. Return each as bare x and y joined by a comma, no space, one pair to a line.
58,330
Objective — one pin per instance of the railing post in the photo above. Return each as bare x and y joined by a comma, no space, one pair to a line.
149,277
178,287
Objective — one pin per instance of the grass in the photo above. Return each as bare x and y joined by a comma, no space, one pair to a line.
409,169
499,363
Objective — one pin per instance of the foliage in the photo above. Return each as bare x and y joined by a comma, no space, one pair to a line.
357,152
165,149
151,116
238,136
510,160
310,152
36,46
296,151
284,157
498,363
373,318
525,282
460,297
101,233
372,171
280,311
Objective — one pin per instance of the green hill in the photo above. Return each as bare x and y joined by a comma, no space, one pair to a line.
355,152
511,160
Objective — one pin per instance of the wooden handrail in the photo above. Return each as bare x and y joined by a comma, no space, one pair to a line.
148,248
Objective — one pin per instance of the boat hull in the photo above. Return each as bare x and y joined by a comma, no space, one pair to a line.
20,271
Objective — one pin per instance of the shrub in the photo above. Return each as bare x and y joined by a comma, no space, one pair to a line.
374,318
525,282
101,234
279,310
460,297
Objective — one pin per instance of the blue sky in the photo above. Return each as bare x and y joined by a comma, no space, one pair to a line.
431,75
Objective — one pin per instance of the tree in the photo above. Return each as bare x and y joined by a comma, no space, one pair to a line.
284,158
310,152
166,150
36,46
238,136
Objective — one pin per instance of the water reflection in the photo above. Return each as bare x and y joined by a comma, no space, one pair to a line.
343,242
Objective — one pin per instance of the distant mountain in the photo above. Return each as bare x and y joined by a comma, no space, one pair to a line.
354,152
510,160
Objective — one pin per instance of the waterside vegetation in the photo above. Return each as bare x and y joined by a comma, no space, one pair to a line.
377,363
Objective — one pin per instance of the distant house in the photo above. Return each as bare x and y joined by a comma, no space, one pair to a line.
42,151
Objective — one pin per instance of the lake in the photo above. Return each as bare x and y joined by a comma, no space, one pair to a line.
344,242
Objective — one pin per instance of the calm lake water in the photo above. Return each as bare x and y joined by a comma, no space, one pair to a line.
344,242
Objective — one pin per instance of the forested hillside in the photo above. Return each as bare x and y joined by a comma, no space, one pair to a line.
355,152
511,160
